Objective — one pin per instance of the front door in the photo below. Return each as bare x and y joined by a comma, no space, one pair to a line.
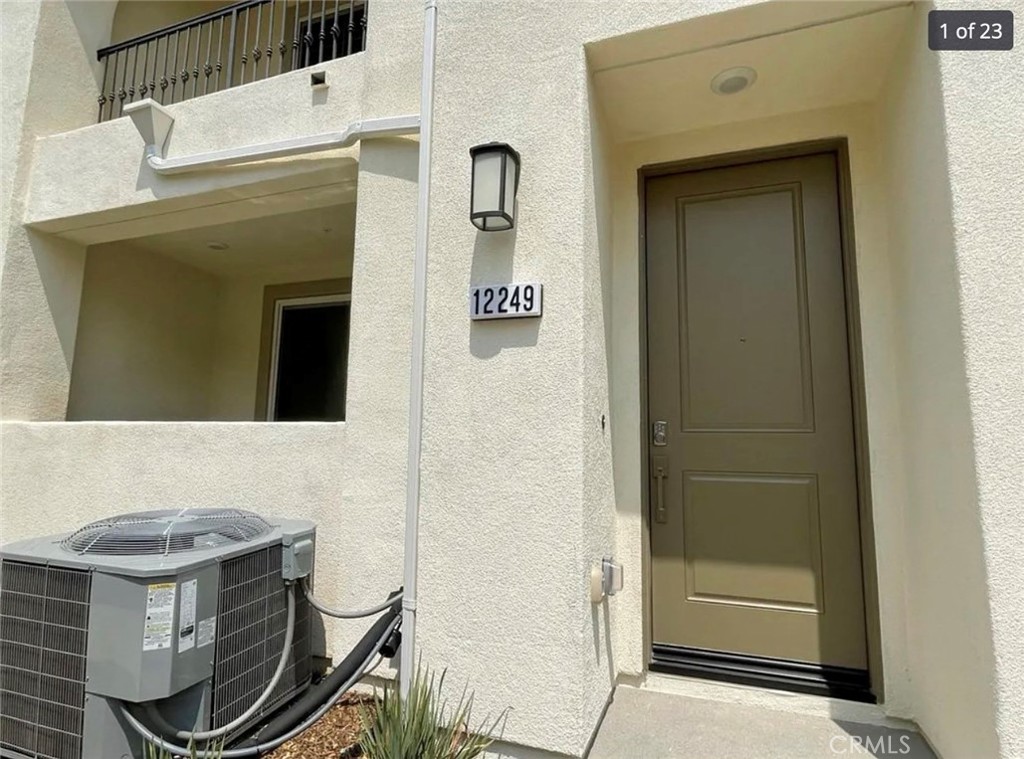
755,536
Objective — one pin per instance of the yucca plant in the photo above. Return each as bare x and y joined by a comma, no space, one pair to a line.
212,750
424,726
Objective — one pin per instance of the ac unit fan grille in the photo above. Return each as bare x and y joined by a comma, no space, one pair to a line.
251,624
166,531
44,624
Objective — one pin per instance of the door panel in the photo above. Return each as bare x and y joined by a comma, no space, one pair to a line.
752,539
755,536
757,293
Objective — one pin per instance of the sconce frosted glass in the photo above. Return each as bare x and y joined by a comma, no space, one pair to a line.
494,185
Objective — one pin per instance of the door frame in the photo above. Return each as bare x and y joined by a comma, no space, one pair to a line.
839,148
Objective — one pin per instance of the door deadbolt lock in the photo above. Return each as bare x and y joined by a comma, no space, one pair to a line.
660,434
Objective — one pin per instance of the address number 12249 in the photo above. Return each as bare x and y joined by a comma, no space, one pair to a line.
505,301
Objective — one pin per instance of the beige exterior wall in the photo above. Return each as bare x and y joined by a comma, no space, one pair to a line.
986,170
145,347
238,327
137,17
941,503
41,275
524,488
160,340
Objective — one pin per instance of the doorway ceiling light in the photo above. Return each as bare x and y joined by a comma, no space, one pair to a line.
733,80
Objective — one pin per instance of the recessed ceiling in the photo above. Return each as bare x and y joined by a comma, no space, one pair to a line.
819,64
316,235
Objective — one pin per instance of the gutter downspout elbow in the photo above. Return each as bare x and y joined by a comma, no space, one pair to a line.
154,123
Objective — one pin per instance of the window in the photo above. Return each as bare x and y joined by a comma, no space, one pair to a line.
304,354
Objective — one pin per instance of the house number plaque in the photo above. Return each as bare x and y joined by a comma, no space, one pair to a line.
508,301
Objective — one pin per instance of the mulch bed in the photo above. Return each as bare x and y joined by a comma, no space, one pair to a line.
338,729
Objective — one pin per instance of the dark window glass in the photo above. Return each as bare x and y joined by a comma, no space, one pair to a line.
312,361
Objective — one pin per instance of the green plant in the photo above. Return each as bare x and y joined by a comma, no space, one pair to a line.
212,750
424,726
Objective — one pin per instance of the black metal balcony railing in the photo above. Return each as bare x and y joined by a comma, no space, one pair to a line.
237,44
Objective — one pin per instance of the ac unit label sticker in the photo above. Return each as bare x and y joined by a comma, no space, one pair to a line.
207,631
156,634
187,617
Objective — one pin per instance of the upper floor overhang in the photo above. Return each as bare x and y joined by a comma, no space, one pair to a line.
94,184
257,87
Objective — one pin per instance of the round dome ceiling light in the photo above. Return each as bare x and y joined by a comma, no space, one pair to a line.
733,80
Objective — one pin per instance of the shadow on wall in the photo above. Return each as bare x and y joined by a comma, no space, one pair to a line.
948,616
399,159
493,254
597,612
93,20
268,172
42,277
61,264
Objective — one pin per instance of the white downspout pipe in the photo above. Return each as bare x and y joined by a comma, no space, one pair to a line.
154,123
419,315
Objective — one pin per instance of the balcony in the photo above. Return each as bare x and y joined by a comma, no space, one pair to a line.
228,46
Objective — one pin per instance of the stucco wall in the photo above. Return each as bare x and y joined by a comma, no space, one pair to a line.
948,618
164,341
986,180
97,469
105,182
17,21
237,328
40,275
255,28
145,338
136,17
517,484
599,505
941,620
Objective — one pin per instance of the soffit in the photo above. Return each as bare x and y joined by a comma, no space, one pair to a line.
646,90
306,237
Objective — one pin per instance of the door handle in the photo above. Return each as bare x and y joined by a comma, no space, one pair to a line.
659,469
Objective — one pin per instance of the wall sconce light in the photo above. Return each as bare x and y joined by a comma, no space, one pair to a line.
494,185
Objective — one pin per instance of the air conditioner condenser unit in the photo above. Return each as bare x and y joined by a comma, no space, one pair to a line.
182,610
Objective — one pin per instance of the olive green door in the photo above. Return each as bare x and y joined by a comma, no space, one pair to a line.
755,539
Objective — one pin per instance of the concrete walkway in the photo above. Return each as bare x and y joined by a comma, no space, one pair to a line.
646,724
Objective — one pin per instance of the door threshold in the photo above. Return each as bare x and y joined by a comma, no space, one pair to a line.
767,698
763,671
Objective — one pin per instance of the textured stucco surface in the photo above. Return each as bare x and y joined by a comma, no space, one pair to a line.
104,178
948,619
523,488
239,325
986,179
139,17
17,21
144,347
56,476
40,276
